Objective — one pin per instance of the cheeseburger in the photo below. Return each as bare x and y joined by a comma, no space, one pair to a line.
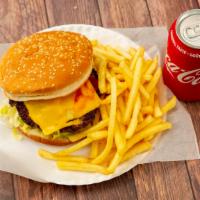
50,84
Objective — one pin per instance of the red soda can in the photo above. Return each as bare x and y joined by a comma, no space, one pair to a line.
181,71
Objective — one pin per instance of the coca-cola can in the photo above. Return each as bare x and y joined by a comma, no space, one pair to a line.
181,71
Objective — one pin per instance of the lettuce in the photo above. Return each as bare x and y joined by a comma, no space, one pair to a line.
4,110
60,135
10,113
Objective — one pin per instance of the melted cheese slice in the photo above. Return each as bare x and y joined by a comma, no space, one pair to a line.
54,114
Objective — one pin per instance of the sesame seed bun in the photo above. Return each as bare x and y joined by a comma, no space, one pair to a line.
46,65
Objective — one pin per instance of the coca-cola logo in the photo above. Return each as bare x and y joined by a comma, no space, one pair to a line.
191,77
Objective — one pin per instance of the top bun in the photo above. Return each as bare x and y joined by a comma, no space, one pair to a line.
46,65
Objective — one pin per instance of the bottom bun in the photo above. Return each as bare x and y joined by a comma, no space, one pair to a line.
46,140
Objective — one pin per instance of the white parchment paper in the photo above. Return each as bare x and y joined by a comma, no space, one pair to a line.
20,157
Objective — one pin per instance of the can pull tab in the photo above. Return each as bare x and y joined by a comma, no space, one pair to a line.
192,32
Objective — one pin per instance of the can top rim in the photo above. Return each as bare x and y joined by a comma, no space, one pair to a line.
180,19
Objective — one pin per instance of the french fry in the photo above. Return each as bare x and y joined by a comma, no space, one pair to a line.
108,89
146,65
132,52
50,156
94,149
121,83
120,77
101,46
96,118
122,53
126,95
149,119
103,111
107,100
152,98
102,76
98,135
139,53
151,85
111,49
136,149
147,110
148,139
112,65
116,70
102,144
140,117
134,119
152,67
86,167
77,136
169,105
122,127
157,109
125,69
146,133
99,55
122,107
134,90
143,92
101,157
74,147
108,76
107,54
146,78
94,42
97,61
108,109
126,73
120,140
156,121
109,158
99,126
114,163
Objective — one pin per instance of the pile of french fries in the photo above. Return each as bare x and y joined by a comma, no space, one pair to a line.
130,113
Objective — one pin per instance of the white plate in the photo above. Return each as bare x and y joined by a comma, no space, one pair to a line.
20,157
